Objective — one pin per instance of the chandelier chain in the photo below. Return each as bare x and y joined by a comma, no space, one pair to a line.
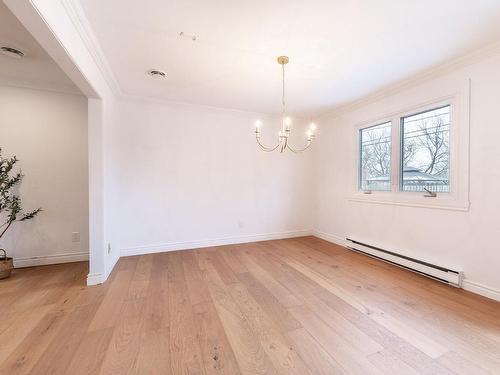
283,93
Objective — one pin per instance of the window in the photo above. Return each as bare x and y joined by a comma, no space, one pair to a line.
375,157
417,156
420,158
425,151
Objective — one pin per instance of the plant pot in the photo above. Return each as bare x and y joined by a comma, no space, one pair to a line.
6,265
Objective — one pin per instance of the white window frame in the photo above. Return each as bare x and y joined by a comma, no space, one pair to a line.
458,196
358,164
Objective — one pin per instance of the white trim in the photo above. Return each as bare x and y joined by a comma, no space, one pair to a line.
458,97
55,88
173,246
175,104
414,80
330,238
483,290
99,278
464,207
77,16
469,285
51,259
94,279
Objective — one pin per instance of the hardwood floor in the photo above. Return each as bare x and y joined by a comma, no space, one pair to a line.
297,306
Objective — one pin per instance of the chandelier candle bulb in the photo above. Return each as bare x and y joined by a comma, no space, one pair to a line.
257,128
286,122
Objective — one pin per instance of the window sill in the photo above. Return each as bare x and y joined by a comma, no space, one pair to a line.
440,202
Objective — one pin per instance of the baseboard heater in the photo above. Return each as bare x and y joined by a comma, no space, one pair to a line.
433,271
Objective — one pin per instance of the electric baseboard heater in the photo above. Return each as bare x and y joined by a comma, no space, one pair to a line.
433,271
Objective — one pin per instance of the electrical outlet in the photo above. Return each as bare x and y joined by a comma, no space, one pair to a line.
75,237
109,248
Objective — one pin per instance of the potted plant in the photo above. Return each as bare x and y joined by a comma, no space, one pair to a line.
10,207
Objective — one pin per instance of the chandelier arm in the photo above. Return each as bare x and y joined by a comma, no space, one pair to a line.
298,151
265,148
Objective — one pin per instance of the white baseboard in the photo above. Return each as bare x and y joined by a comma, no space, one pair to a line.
481,289
94,279
173,246
51,259
471,286
330,237
99,278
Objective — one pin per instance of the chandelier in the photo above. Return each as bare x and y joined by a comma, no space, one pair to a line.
286,122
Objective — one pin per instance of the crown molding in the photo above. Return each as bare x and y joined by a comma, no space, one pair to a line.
174,103
77,16
417,79
59,89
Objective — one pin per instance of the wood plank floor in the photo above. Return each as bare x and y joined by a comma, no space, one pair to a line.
296,306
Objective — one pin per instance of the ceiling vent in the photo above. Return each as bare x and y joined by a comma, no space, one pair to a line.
12,52
157,73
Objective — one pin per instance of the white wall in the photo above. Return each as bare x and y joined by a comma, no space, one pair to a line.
61,33
189,176
47,131
149,148
466,240
279,202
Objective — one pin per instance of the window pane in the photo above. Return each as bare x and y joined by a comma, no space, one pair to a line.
375,156
425,151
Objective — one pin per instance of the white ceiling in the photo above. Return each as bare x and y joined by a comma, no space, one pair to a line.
36,69
339,50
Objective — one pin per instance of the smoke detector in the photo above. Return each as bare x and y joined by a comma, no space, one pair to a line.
12,52
157,73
